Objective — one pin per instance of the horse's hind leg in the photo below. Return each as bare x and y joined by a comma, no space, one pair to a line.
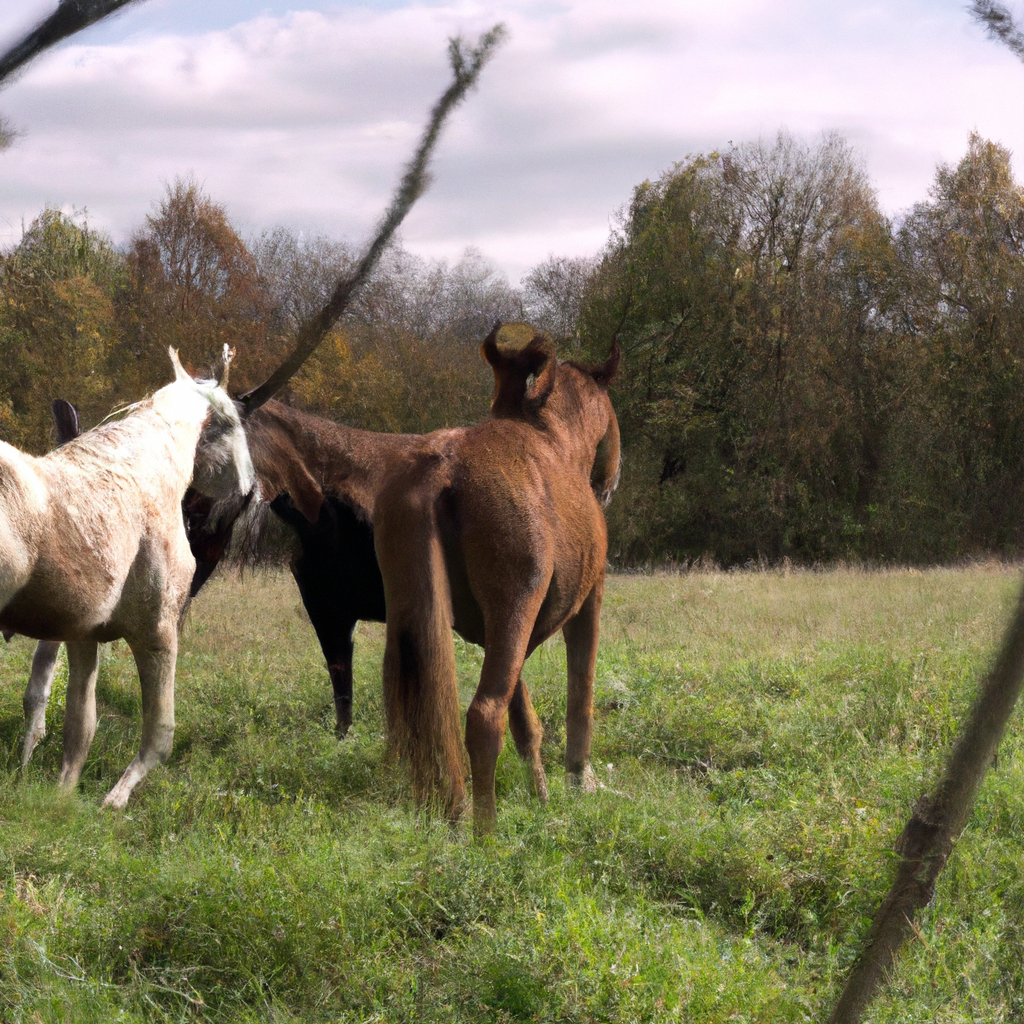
487,715
581,634
156,677
79,709
528,733
339,667
37,695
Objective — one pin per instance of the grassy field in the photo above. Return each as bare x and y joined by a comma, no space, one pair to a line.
760,740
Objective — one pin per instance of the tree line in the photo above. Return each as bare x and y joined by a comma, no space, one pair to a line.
803,376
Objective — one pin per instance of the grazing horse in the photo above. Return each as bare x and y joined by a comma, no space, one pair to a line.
497,531
93,548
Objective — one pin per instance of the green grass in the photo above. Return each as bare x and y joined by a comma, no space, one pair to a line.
760,741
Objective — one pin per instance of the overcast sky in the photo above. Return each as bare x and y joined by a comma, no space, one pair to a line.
303,113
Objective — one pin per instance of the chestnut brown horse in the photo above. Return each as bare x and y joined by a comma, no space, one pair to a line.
510,507
498,532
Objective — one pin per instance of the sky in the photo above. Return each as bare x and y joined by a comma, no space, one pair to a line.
303,114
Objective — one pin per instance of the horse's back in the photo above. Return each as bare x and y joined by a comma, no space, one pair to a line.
96,533
516,523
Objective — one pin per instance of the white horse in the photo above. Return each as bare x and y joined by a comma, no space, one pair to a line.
93,548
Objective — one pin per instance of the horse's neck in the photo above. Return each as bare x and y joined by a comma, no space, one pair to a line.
342,460
587,433
156,439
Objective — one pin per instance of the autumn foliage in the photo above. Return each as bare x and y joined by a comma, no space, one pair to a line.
803,376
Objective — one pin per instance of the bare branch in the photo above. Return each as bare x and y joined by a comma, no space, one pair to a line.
70,17
936,824
466,70
999,24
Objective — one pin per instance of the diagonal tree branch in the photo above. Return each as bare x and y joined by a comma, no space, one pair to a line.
70,17
466,70
936,824
928,838
999,24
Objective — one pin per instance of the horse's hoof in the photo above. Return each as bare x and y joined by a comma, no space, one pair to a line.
540,785
485,821
584,781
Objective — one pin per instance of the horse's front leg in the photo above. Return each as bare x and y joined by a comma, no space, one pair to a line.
155,659
581,635
79,709
334,630
37,695
528,733
339,667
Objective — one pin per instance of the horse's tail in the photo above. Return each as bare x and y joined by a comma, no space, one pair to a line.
421,695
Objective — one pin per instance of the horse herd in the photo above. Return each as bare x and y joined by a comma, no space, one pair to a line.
495,531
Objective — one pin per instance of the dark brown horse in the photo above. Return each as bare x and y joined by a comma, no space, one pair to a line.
497,531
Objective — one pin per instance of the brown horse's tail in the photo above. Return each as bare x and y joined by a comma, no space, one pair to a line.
421,695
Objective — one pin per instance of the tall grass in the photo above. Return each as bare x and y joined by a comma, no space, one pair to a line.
760,741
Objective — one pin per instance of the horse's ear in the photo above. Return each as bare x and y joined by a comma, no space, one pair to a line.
489,349
605,373
540,358
226,357
65,419
180,373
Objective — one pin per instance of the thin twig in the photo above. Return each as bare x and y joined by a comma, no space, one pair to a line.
466,70
999,24
928,838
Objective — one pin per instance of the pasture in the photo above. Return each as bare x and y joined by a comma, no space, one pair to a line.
760,740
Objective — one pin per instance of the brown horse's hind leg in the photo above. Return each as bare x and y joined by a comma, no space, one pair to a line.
487,715
528,733
79,709
156,677
37,695
581,633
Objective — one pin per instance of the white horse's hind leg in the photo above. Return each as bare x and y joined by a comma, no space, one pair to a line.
156,676
37,695
79,709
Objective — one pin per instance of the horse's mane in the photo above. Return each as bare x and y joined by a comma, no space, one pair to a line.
133,424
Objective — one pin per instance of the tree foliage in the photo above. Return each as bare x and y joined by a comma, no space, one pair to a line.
57,325
802,377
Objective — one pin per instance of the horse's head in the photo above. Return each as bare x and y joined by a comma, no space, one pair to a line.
523,378
589,385
223,469
569,399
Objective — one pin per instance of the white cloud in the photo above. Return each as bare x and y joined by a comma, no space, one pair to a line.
306,118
